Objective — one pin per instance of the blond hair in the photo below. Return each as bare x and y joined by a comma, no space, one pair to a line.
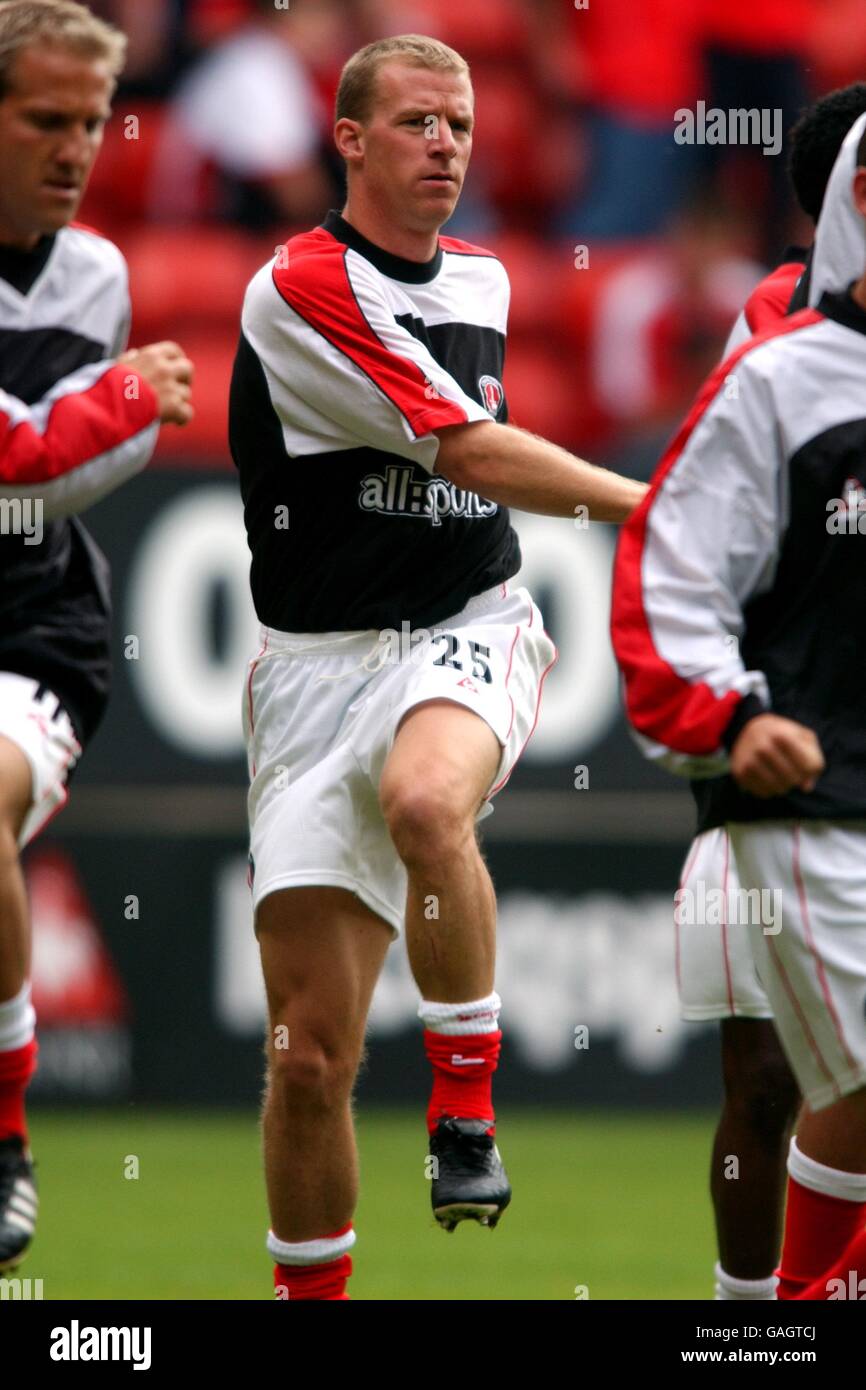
61,23
357,90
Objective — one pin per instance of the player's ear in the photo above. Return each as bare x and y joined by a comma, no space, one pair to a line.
349,139
859,189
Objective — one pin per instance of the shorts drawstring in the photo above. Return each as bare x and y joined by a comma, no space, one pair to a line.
372,662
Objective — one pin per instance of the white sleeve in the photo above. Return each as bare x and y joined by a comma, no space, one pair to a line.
340,369
86,437
121,336
702,544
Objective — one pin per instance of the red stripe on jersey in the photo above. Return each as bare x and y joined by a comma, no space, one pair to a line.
455,247
661,704
80,427
769,300
85,227
316,284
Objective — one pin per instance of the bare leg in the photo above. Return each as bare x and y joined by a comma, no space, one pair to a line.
836,1136
761,1100
15,797
443,761
322,951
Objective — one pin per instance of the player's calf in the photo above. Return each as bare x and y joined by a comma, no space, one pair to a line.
307,1123
322,951
748,1164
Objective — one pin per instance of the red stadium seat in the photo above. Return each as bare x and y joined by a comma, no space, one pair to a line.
535,276
521,173
205,440
182,276
480,29
543,391
119,189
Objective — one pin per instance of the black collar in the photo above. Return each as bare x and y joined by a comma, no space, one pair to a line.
395,267
843,309
22,268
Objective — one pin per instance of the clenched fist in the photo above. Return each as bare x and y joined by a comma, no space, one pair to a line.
773,755
169,371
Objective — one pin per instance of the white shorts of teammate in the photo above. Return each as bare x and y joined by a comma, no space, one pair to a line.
321,712
34,719
813,963
716,974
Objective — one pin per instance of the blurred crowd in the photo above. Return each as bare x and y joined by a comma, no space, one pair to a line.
221,147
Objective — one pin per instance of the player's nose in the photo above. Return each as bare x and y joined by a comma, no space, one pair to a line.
442,140
76,150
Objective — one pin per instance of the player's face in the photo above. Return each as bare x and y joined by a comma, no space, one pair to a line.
51,124
417,143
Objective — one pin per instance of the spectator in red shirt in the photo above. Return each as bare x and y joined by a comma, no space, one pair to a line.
624,69
755,56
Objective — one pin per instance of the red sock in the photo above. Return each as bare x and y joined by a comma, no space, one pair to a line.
817,1228
16,1069
463,1067
305,1282
849,1272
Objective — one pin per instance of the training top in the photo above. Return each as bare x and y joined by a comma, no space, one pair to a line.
740,581
69,432
349,358
773,297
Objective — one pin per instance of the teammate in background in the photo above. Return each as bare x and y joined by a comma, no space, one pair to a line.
368,424
72,448
73,425
716,973
751,532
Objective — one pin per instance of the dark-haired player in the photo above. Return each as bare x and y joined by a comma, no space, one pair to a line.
717,969
716,973
752,529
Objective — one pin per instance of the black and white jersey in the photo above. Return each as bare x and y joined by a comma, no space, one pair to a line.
349,359
64,309
741,579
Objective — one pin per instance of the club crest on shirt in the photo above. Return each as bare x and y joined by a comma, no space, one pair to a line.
492,394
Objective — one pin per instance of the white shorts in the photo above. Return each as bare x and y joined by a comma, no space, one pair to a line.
34,719
814,968
321,712
716,975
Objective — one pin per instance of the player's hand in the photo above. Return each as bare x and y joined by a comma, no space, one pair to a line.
169,371
773,755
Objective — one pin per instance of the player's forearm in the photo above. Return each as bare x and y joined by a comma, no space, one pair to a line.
518,469
86,438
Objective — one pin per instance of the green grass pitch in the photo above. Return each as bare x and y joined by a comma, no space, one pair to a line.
616,1203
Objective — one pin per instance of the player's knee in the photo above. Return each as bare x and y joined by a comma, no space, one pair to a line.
765,1095
423,823
305,1075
